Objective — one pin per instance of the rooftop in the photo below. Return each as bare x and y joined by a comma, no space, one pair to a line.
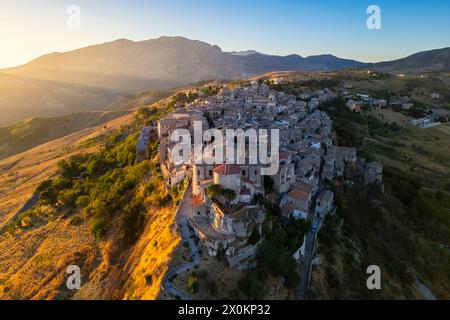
204,224
299,195
227,169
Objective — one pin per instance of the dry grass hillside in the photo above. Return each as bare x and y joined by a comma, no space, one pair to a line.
33,265
35,131
21,174
34,260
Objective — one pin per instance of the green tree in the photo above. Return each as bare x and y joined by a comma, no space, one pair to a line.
255,236
252,284
98,166
193,283
98,227
83,202
268,184
132,221
44,186
211,286
214,190
49,197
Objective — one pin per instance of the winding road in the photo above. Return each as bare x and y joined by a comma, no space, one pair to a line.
183,213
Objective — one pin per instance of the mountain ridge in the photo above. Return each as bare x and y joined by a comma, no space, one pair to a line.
126,65
90,78
435,60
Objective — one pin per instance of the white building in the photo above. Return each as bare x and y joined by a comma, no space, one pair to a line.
435,96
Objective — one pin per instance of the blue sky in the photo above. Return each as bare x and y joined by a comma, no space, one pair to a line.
29,29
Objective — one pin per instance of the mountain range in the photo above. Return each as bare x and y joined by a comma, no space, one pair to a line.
90,78
437,60
125,65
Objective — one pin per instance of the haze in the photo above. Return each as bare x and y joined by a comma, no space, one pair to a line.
30,29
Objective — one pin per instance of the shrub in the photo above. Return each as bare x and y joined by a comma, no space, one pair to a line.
132,221
72,167
255,236
49,197
68,198
268,184
98,167
193,283
252,284
214,190
83,202
212,288
98,227
44,186
75,221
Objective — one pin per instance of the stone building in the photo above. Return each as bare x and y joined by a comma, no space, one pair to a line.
143,145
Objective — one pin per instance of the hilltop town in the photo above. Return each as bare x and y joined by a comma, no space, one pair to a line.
224,210
238,155
344,197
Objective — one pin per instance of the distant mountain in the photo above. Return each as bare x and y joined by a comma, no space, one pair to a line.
125,65
427,61
244,53
34,131
22,97
90,78
328,62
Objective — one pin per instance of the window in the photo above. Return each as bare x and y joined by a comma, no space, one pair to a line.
256,172
210,173
244,172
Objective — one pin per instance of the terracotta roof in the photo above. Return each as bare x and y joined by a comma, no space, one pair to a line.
197,201
227,169
245,192
287,210
303,186
299,195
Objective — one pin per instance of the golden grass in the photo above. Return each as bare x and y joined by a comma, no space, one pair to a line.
151,256
33,266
